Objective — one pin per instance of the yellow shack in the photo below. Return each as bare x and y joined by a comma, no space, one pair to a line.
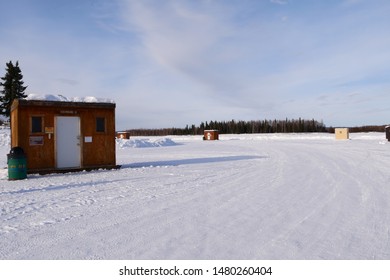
342,133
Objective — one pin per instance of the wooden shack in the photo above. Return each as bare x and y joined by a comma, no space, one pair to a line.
387,131
59,136
342,133
211,134
123,135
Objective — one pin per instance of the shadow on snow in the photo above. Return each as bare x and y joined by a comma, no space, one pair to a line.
189,161
175,162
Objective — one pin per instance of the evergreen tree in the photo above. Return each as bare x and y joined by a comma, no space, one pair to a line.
12,88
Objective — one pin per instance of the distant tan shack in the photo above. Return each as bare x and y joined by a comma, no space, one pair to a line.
342,133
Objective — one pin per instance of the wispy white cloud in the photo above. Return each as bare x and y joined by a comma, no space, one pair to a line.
182,39
279,2
349,3
257,65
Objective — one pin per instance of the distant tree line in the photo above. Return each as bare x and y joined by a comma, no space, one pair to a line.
259,126
238,127
367,128
158,131
265,126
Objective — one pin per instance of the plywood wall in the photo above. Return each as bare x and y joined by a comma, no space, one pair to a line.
97,148
342,133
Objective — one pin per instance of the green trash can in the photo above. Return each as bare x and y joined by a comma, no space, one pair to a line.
17,164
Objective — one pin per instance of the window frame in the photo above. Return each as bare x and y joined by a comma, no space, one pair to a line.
100,121
33,124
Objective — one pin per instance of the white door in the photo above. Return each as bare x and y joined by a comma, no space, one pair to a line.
67,142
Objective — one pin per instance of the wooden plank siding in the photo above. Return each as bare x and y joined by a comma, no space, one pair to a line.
211,135
97,148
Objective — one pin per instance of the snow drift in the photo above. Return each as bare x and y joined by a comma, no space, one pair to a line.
59,97
144,142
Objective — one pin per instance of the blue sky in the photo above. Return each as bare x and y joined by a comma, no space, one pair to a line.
171,63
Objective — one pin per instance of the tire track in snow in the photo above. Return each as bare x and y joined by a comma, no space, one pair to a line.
333,215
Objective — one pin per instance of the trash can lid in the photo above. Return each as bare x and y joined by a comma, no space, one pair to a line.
16,151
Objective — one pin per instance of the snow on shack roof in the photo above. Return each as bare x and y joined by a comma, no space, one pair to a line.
51,97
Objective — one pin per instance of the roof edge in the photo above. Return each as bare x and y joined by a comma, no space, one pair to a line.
48,103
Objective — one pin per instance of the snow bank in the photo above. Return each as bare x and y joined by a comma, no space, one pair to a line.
51,97
376,136
4,136
145,142
278,136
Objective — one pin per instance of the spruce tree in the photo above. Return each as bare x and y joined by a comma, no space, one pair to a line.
13,88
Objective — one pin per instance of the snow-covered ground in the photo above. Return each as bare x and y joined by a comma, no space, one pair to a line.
269,196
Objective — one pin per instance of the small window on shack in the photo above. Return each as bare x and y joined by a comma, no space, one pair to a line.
36,124
100,124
